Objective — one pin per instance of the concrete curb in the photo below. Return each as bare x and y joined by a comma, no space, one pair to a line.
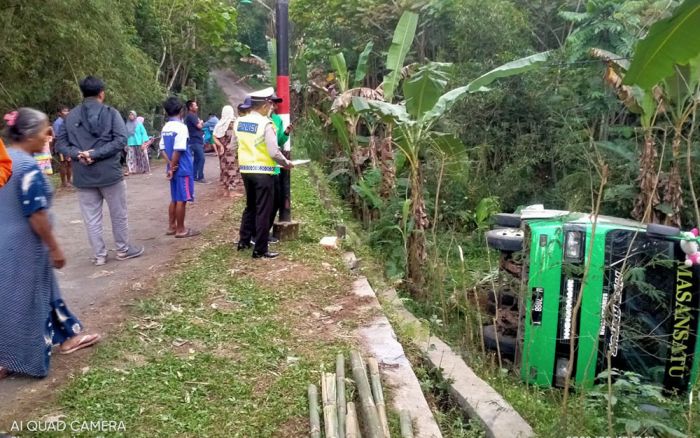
474,395
379,340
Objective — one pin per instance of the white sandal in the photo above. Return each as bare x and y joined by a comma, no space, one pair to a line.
84,342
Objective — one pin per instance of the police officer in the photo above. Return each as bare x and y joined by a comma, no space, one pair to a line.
258,155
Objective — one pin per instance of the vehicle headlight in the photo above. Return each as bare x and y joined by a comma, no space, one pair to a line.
573,246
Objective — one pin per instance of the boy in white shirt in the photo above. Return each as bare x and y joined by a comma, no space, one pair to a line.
174,148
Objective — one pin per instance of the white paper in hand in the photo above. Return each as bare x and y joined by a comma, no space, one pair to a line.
298,162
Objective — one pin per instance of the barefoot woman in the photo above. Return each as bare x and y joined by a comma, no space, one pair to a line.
33,317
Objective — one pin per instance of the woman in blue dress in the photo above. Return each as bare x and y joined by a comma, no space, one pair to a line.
33,317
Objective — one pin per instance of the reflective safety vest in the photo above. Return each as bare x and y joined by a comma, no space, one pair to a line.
252,150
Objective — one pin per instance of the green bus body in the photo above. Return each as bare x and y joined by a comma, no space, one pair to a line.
553,283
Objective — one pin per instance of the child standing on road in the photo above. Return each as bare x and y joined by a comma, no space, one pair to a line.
63,162
178,154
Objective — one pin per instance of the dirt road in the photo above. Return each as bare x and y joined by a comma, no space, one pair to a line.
232,88
100,296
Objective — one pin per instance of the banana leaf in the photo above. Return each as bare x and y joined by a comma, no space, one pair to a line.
672,41
447,144
341,128
404,34
424,88
447,100
341,69
512,68
361,71
389,112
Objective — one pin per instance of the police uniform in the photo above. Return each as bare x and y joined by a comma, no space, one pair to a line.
258,156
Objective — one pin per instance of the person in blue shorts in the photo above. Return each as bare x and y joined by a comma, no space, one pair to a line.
178,154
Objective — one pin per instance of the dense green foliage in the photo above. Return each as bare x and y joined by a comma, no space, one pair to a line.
541,137
143,49
570,132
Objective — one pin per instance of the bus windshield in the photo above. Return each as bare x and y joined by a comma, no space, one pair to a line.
650,302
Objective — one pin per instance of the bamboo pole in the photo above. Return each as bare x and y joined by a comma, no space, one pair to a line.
378,393
313,412
330,410
406,424
369,410
340,389
352,428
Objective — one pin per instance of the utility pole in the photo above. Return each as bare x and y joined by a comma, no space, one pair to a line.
282,12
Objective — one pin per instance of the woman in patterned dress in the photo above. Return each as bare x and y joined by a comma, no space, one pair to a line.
136,153
33,316
227,150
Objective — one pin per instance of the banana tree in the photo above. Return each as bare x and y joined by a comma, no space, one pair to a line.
682,93
663,76
647,105
341,103
673,101
381,148
401,43
415,129
346,120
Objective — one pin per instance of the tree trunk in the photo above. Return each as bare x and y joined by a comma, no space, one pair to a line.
184,77
171,82
648,183
162,61
673,196
417,253
374,142
386,164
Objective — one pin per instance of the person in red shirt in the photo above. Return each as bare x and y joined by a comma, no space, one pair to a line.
5,164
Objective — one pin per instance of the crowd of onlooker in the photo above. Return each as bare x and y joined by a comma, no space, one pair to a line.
94,149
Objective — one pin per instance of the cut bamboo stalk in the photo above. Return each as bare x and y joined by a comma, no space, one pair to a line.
313,412
406,424
352,428
378,395
369,410
330,410
340,388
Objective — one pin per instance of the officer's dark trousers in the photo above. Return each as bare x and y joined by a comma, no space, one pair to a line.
278,202
260,193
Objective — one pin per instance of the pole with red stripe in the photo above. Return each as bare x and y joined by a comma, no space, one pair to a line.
283,92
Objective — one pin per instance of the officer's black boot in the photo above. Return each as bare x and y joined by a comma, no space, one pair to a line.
243,246
266,255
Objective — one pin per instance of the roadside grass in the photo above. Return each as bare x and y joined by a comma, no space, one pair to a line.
224,345
452,421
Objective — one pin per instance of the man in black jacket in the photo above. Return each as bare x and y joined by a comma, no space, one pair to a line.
94,136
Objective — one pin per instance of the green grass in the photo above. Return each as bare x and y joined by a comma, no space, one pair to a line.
450,418
219,349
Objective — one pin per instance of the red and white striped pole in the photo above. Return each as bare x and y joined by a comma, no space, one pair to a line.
283,92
